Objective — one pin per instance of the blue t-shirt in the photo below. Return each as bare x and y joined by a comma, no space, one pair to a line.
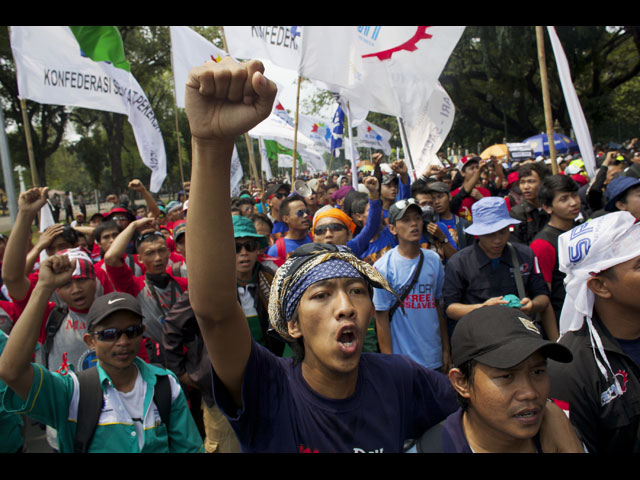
290,246
395,399
416,332
378,247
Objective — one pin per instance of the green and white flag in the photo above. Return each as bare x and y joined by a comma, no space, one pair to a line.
86,67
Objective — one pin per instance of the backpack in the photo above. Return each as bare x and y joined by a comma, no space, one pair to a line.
56,317
91,401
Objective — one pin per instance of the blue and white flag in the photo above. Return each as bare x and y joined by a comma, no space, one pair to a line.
337,131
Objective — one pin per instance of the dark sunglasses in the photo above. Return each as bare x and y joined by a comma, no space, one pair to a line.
112,334
249,246
302,213
334,227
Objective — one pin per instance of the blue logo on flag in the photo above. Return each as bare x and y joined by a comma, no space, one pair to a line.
337,130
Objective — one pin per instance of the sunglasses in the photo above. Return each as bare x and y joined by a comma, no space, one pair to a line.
334,227
113,334
302,213
249,246
405,203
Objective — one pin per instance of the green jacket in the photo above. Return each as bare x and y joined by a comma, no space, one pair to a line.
53,400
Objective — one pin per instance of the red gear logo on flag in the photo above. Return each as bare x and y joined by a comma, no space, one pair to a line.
409,45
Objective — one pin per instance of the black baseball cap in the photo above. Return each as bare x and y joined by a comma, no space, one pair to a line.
501,337
105,305
439,187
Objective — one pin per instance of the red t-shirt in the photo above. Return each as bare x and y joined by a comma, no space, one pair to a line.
465,208
547,257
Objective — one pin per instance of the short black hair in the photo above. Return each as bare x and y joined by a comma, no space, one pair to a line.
358,203
284,206
147,237
261,217
100,229
69,234
467,369
243,201
528,168
554,184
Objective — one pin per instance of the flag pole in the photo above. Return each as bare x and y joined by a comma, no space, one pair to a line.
546,100
405,144
295,132
27,135
175,114
253,174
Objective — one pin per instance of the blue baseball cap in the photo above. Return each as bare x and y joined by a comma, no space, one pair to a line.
616,189
490,214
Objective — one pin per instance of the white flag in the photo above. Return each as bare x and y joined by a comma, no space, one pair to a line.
281,45
285,161
236,173
265,165
372,136
279,126
52,69
579,123
427,135
317,129
387,69
189,49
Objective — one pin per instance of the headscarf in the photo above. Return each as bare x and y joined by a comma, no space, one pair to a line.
84,266
310,264
337,214
341,192
585,251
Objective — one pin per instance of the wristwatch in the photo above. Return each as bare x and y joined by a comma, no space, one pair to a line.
446,240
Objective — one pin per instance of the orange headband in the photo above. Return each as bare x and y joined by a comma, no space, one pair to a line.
338,214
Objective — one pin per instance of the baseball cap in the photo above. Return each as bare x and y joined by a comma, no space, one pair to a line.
179,228
105,305
439,187
273,189
389,177
501,337
398,209
466,160
616,189
490,214
122,210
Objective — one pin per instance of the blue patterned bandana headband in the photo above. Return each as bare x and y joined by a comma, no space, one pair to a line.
310,264
324,271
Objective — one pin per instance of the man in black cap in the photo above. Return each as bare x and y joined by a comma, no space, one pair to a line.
129,420
500,376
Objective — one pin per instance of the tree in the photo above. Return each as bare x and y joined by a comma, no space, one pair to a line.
493,79
46,123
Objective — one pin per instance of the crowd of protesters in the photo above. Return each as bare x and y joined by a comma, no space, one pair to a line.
471,307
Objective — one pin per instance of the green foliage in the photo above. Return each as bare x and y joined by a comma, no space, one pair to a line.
492,77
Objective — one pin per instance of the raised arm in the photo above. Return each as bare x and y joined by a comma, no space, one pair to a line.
152,205
223,100
15,254
44,241
113,256
15,363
